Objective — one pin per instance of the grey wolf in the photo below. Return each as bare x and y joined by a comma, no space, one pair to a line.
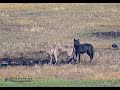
56,50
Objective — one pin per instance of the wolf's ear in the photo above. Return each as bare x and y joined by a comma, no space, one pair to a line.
74,39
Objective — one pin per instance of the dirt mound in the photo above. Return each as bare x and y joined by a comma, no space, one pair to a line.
29,59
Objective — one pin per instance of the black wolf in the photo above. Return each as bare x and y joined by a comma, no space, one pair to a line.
83,48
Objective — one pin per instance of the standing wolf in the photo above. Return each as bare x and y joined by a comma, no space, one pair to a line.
83,48
56,50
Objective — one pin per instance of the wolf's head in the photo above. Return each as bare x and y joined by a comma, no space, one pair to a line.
76,42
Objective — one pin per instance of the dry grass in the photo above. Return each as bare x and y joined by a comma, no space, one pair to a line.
44,6
32,27
75,72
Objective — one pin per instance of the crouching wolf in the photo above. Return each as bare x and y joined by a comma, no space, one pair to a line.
57,50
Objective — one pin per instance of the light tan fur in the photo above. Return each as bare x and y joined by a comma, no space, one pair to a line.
57,49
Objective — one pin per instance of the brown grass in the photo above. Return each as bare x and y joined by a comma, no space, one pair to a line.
76,72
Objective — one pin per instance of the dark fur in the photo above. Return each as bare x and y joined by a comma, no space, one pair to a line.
115,46
83,48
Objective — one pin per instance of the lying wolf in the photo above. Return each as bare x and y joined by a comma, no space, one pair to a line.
56,50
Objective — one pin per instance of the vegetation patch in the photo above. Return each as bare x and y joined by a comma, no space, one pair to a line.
61,83
87,33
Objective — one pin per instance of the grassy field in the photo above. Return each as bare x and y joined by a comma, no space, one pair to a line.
25,28
61,83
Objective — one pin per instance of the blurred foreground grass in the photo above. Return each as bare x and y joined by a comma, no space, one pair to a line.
61,83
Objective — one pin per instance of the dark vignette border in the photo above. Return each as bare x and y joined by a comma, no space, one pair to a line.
59,1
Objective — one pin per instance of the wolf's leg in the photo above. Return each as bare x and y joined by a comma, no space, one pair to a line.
56,59
51,59
76,54
74,58
79,59
90,55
